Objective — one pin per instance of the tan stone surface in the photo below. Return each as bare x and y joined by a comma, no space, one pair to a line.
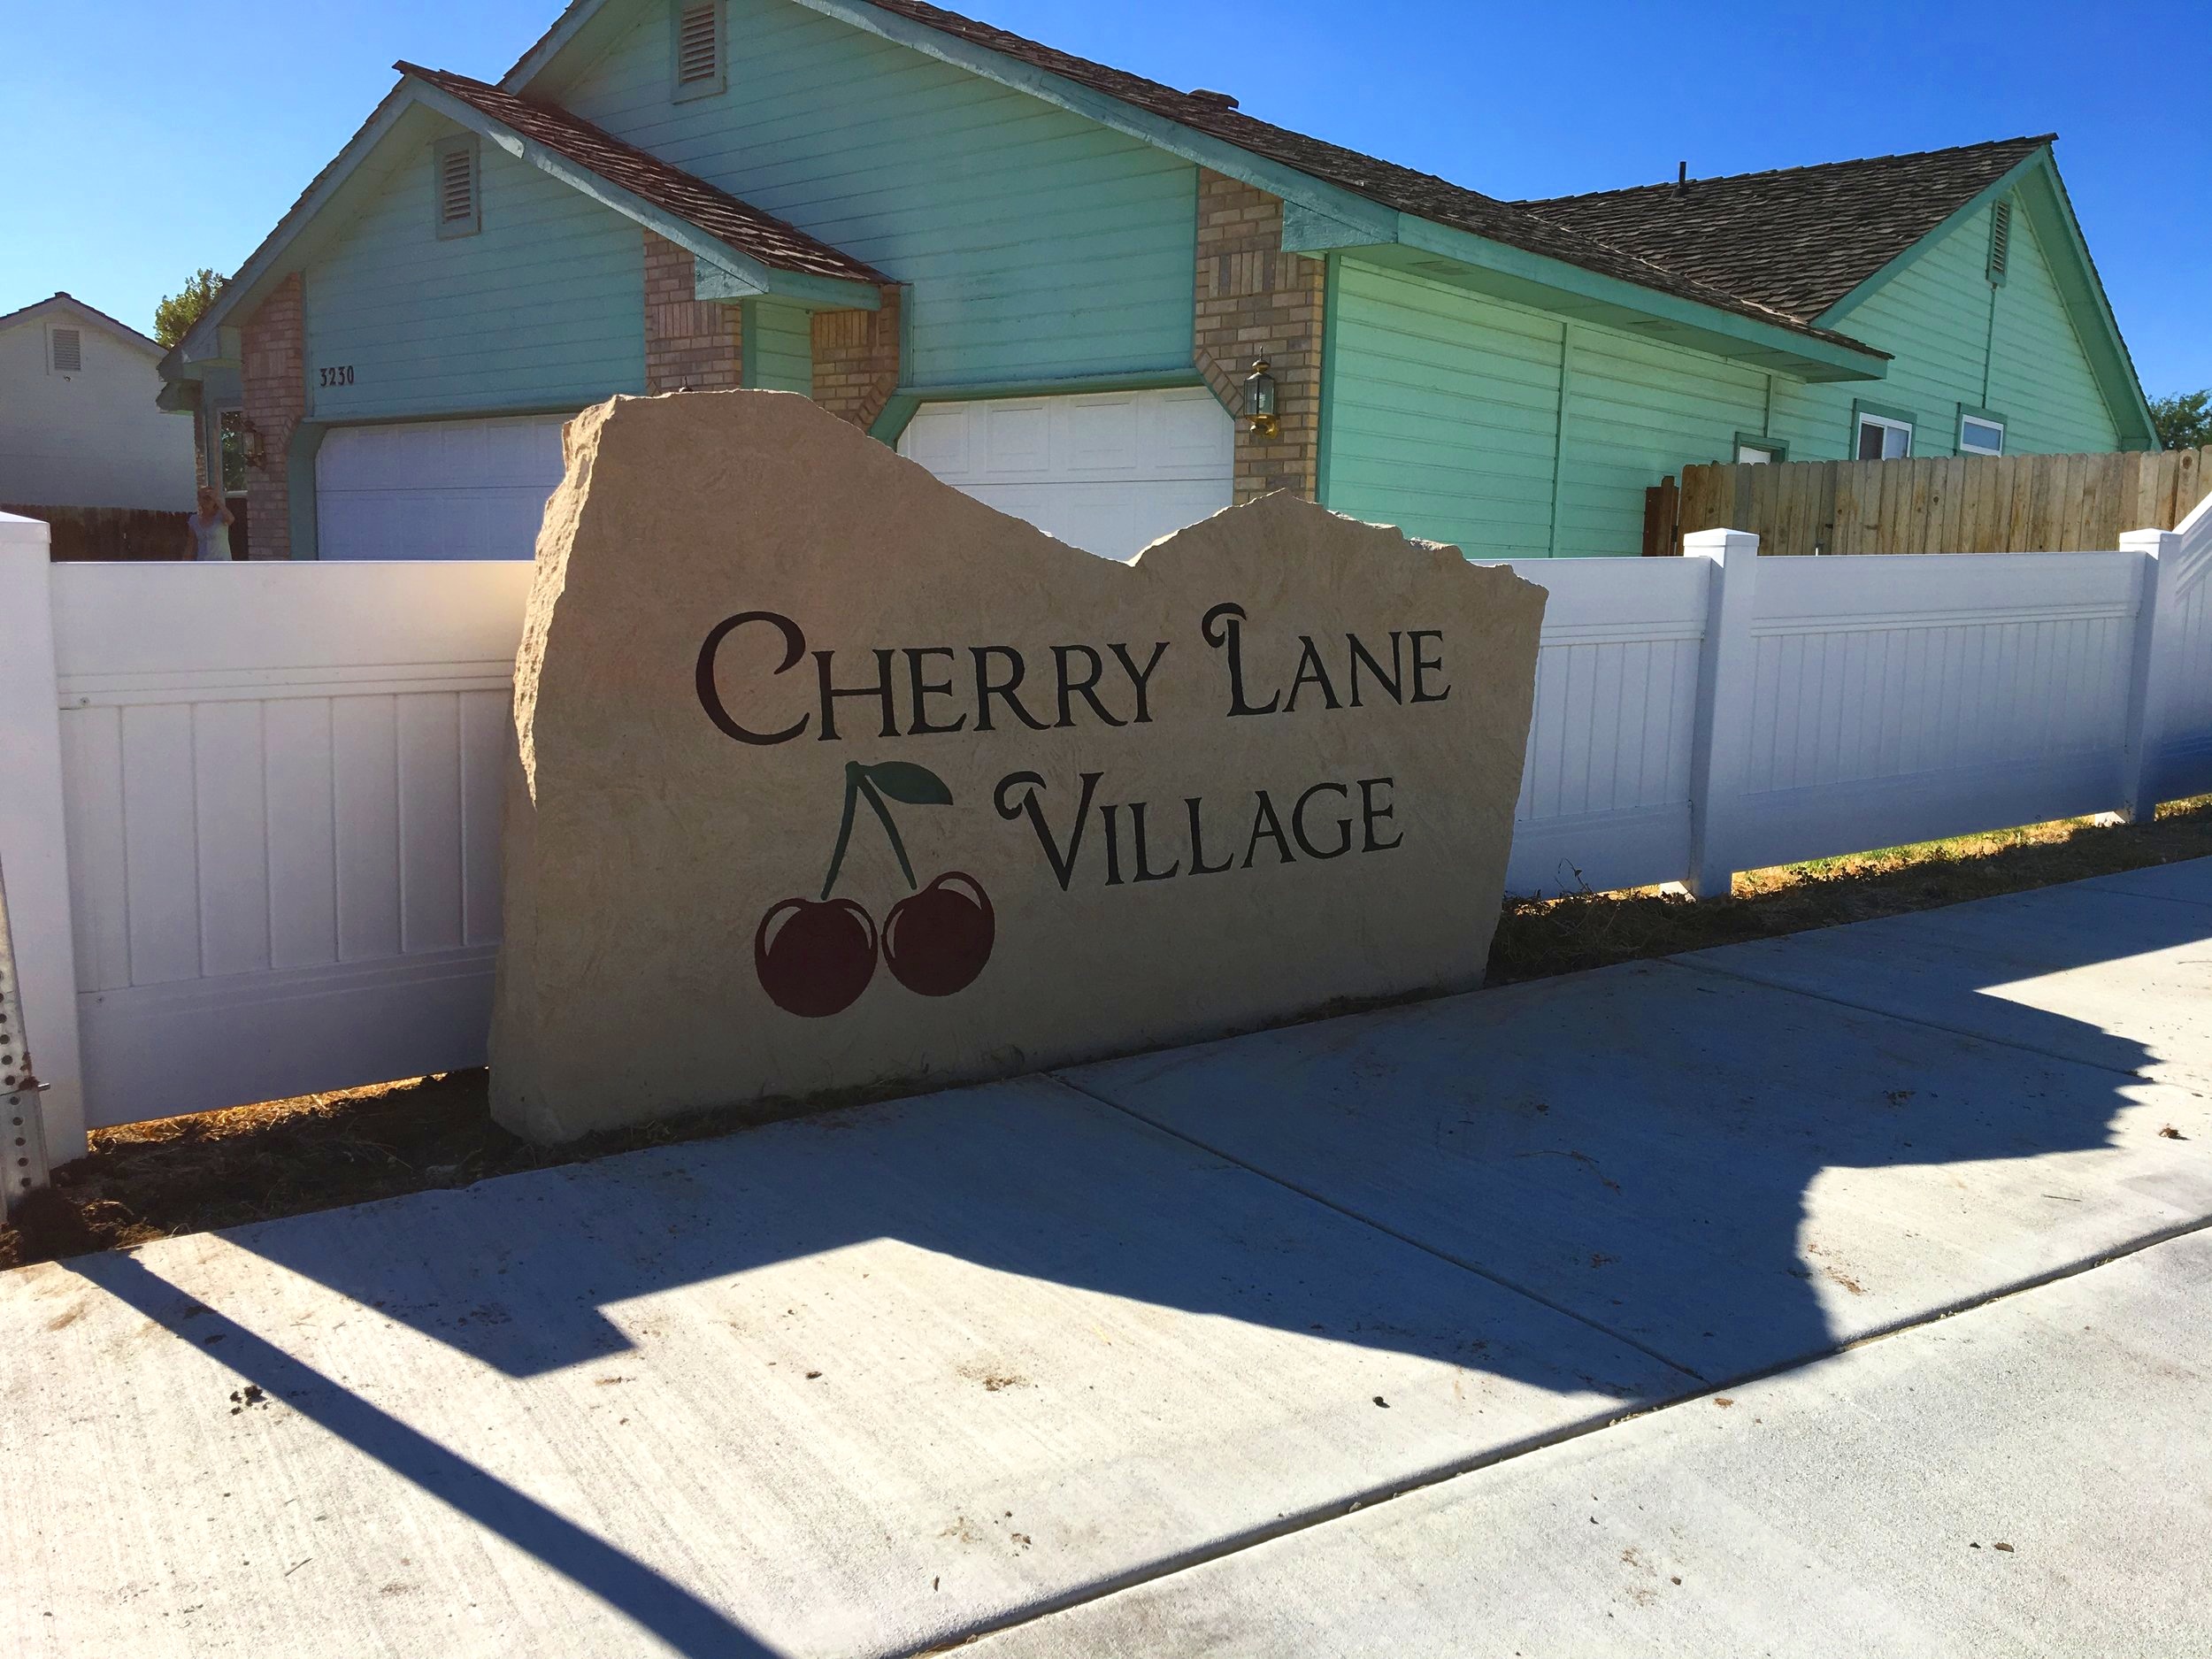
651,959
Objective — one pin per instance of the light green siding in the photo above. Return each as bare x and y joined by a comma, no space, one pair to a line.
1636,411
778,347
1957,341
1444,411
543,307
1441,407
2038,374
1038,245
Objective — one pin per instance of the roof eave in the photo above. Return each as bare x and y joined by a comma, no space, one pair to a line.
1463,260
2078,284
724,273
205,343
1331,216
1951,222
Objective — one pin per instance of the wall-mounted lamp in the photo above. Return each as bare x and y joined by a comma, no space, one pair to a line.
251,446
1259,399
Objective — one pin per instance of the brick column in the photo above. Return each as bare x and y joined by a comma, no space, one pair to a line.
1253,300
275,383
857,360
689,342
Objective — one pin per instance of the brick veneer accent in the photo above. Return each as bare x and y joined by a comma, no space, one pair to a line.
689,342
274,381
857,360
1253,300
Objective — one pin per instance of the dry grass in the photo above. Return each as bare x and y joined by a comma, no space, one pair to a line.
176,1175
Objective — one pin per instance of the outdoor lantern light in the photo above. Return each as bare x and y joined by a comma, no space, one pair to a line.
251,447
1259,399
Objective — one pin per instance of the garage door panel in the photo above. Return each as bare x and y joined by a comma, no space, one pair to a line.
1109,472
436,489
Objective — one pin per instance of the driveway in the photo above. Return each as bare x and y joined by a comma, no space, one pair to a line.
1128,1359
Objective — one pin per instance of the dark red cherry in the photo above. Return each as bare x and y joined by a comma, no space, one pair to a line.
937,941
814,956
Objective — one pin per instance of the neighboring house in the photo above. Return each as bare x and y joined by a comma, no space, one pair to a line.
1047,280
78,424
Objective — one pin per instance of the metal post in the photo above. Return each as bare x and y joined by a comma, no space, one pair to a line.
21,1115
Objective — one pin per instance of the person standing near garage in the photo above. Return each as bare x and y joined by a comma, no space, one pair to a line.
210,528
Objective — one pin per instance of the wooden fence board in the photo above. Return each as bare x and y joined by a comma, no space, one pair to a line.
2015,503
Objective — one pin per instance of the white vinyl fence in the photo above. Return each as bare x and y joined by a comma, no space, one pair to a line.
250,827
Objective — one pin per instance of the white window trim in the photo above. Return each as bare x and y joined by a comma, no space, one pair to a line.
1980,420
1885,423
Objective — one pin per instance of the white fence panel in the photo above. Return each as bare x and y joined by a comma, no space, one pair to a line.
1605,797
283,785
280,785
1901,699
2184,763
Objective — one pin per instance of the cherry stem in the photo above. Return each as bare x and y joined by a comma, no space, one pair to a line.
892,830
856,785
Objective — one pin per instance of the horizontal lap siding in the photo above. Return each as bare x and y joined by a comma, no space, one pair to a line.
544,306
1442,408
1038,244
1935,320
1636,410
2038,376
778,347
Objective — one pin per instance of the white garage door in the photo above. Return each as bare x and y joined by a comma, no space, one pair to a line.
436,489
1111,471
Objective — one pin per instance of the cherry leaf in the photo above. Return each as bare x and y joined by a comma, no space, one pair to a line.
916,786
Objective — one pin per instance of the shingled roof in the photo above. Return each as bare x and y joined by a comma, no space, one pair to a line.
773,242
1795,239
1422,194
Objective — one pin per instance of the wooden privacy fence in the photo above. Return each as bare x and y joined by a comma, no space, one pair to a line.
1966,503
123,532
250,828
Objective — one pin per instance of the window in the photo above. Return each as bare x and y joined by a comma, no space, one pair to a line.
455,204
1752,451
1882,437
1981,432
65,348
1999,239
698,50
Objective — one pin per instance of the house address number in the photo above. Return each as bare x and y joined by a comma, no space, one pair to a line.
341,375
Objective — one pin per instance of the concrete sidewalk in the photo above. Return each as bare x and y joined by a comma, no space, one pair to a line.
876,1381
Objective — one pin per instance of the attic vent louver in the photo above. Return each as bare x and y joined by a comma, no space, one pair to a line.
1999,239
457,210
68,351
699,50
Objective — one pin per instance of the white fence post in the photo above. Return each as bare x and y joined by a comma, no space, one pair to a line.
2147,692
34,850
1721,755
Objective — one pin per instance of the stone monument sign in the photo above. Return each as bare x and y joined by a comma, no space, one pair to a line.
832,777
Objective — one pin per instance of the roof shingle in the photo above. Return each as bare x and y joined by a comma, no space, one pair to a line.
761,236
1796,239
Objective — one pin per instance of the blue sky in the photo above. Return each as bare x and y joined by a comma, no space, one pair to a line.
121,182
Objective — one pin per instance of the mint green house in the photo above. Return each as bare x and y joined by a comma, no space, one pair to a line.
1048,281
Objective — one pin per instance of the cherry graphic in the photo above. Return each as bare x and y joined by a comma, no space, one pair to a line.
814,956
937,941
818,959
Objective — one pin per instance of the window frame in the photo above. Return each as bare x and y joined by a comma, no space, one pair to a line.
1984,417
679,91
1883,415
458,143
1776,450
